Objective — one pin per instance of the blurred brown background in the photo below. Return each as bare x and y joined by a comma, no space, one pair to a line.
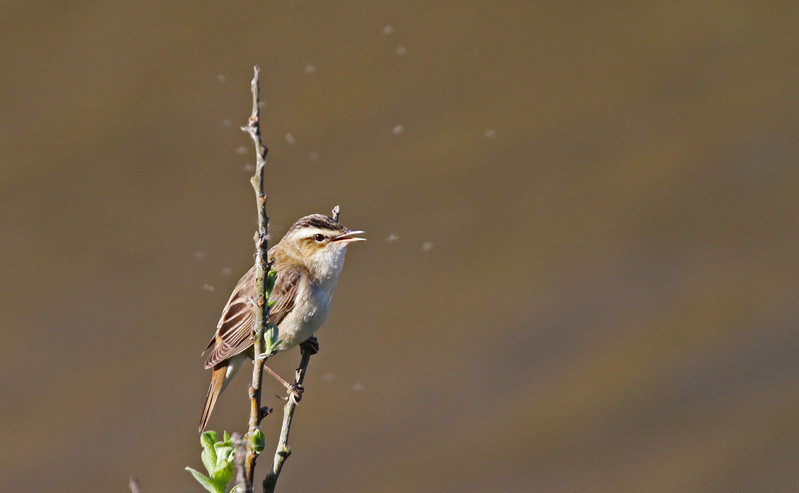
581,272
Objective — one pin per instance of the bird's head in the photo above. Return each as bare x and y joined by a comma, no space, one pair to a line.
318,243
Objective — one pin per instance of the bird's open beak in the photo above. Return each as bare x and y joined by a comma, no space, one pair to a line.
347,237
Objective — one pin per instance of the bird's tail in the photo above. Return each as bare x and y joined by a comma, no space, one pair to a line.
217,384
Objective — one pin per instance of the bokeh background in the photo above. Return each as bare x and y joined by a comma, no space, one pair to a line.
581,272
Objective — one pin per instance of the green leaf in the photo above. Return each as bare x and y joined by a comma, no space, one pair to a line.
217,457
208,455
205,481
208,438
223,472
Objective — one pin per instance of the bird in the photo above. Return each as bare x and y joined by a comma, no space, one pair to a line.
308,261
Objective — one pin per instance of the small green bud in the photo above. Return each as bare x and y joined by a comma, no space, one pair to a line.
270,338
258,441
271,276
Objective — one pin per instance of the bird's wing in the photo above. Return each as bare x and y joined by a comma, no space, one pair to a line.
284,293
233,333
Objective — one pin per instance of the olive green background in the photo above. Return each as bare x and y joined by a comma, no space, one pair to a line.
581,272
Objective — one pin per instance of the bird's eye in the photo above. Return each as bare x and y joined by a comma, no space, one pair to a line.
319,237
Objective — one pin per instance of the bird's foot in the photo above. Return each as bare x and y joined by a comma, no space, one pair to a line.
295,391
311,345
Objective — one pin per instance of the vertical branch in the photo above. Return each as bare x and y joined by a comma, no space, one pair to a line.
240,448
283,451
261,268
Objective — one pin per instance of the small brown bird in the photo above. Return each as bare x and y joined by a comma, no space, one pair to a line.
308,261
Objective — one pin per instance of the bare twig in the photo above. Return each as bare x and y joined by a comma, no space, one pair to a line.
283,451
257,413
240,445
262,267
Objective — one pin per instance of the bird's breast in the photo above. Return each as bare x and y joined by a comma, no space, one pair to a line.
309,313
